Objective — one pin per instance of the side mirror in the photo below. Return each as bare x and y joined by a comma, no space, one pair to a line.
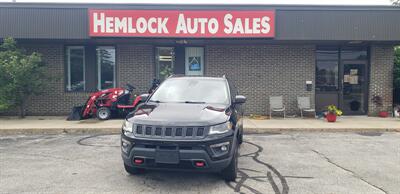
239,99
143,97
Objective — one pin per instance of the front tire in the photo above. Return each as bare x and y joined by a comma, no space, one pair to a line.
132,170
103,113
230,172
240,138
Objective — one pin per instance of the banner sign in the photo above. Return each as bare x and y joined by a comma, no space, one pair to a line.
175,23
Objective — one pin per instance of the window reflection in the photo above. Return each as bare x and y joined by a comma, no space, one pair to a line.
106,67
76,68
165,57
327,69
327,76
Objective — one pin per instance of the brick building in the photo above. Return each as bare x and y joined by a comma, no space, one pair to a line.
339,55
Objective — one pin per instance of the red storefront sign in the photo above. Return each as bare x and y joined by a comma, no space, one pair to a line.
175,23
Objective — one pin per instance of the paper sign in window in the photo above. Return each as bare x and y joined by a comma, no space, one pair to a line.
346,79
353,71
194,63
353,79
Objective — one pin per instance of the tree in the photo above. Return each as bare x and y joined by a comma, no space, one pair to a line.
396,71
396,2
21,76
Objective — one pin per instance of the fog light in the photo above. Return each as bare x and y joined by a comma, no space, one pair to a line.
125,145
224,148
224,144
220,149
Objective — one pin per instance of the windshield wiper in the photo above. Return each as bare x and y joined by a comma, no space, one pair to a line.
194,102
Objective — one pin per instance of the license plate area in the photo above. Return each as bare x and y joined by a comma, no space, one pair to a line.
167,156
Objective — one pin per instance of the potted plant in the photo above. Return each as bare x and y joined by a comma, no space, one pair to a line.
333,113
377,100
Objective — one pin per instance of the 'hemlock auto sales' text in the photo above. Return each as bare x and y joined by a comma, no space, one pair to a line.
173,23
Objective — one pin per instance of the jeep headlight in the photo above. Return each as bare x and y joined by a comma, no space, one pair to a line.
127,126
220,128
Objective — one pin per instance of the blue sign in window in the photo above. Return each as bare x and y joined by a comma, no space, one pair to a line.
194,64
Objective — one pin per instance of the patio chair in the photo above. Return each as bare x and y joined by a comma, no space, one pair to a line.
276,105
304,104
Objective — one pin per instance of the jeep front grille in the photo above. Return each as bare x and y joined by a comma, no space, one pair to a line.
169,132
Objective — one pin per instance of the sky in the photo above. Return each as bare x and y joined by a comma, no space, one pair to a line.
314,2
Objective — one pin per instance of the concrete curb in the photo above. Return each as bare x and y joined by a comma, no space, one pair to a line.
55,131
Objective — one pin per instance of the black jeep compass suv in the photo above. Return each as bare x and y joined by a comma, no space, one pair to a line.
188,123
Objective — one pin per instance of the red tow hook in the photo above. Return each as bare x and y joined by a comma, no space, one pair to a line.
199,163
138,161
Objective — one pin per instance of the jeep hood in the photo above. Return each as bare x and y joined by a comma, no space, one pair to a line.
180,114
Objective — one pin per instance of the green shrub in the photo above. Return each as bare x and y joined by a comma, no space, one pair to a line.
21,75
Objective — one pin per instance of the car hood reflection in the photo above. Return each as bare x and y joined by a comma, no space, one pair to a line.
180,114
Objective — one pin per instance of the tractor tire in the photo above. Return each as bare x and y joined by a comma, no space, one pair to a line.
103,113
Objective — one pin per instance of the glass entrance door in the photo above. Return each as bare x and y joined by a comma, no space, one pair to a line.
353,100
194,61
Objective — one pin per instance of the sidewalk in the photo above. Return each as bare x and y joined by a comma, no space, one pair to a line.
343,124
57,125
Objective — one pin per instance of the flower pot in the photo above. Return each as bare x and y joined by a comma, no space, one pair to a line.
330,117
383,114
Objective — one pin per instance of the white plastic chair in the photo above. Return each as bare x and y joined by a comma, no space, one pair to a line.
276,105
304,104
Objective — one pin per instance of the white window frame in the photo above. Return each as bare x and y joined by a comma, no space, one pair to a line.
99,66
69,66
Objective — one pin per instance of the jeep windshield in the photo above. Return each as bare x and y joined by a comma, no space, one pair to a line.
192,90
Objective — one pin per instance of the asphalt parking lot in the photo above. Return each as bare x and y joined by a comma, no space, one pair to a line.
271,163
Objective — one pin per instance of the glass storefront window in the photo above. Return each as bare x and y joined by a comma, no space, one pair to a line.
165,58
76,68
105,67
327,69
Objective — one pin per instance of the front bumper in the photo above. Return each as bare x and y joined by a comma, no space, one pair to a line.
189,152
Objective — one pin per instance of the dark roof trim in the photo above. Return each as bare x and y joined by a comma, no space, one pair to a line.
200,6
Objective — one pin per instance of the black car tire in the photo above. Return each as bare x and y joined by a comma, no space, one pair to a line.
103,113
132,170
230,172
240,138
